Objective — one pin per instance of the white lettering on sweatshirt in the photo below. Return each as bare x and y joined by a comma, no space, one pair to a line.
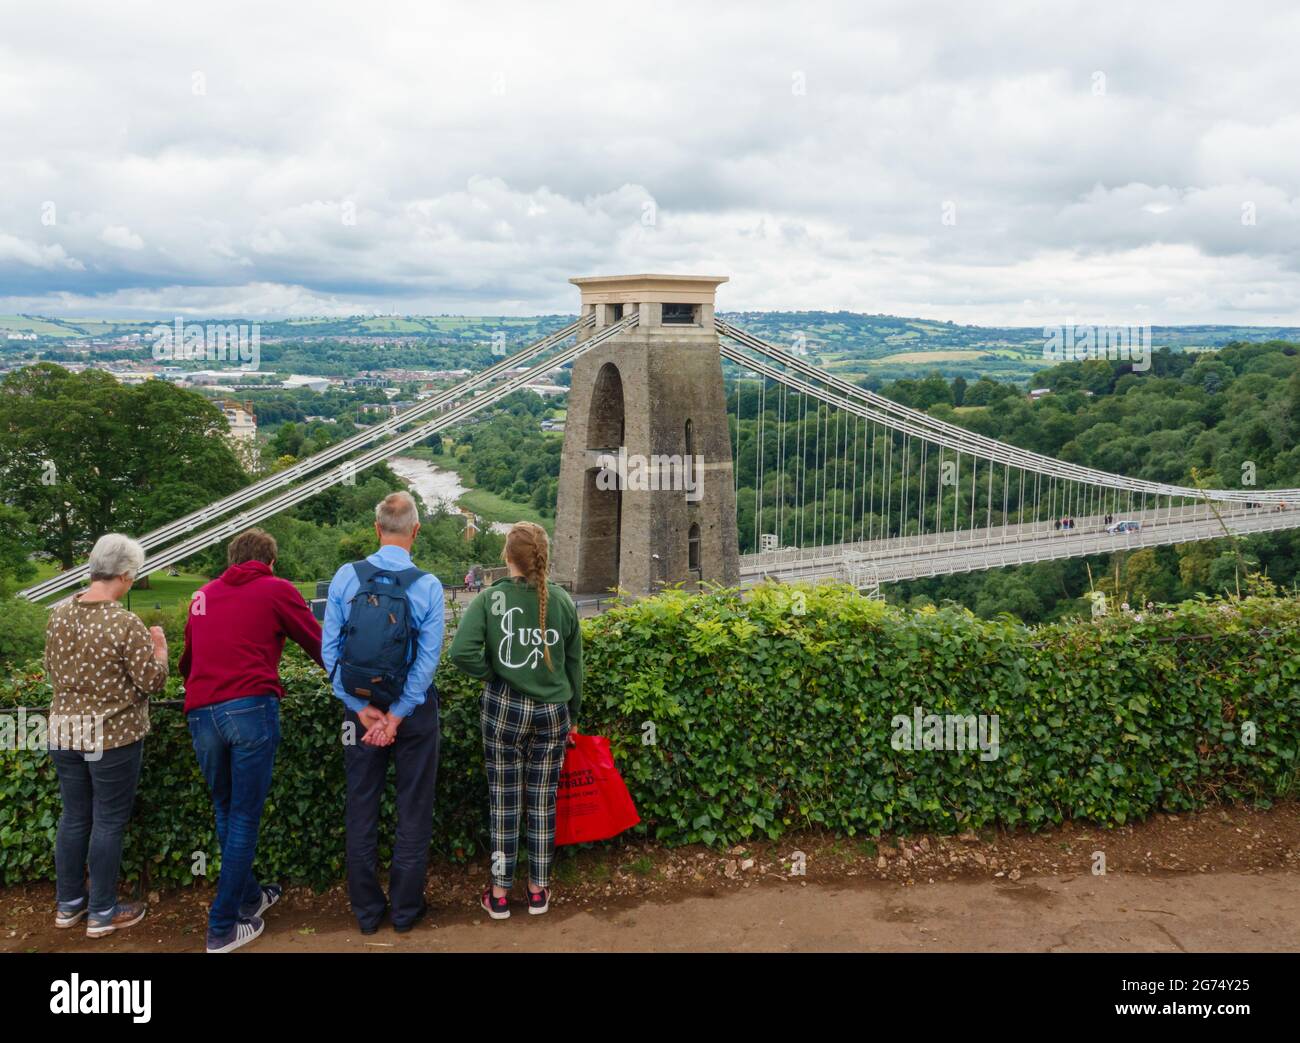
527,638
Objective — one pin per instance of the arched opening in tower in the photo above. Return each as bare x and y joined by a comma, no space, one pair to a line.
605,422
601,538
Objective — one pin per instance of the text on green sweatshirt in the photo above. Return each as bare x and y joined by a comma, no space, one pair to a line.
498,637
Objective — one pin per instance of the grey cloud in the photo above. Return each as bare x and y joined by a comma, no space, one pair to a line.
807,150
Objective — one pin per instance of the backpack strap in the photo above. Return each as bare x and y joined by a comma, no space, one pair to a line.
407,577
365,571
401,579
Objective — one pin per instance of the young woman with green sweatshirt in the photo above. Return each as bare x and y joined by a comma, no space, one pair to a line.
521,636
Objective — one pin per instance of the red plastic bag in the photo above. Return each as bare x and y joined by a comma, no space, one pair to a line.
592,801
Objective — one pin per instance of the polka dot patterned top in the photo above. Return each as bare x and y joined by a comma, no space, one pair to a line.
99,659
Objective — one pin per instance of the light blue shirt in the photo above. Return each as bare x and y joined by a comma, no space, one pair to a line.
425,598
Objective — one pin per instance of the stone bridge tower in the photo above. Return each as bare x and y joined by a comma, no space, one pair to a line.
646,495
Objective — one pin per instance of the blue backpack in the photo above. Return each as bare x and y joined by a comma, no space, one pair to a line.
379,639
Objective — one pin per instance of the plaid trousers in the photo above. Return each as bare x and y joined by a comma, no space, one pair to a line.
523,749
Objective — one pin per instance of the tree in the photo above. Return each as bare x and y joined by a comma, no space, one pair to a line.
82,455
22,632
981,393
17,538
932,391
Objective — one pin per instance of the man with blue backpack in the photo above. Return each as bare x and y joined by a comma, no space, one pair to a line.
381,641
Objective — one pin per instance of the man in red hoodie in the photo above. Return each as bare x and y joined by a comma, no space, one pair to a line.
234,636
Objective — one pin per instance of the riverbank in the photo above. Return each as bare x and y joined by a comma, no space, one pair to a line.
439,488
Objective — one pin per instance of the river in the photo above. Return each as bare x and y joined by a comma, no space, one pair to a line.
435,486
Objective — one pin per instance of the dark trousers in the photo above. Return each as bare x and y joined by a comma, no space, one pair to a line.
98,795
414,754
235,742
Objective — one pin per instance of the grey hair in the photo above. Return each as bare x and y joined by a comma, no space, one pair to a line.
115,555
396,514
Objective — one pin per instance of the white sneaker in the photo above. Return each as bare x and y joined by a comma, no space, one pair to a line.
245,931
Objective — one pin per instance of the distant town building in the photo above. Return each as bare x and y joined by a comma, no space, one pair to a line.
471,524
310,383
242,423
240,420
385,408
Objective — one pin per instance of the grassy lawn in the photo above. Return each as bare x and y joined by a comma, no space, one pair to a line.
170,591
167,591
491,507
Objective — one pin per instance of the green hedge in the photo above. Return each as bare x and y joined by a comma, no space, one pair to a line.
773,713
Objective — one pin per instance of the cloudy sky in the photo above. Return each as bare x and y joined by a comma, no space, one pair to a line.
1000,163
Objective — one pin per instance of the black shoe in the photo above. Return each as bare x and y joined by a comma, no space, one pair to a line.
374,928
420,914
497,908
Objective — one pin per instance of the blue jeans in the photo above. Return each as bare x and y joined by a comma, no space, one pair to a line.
235,742
97,799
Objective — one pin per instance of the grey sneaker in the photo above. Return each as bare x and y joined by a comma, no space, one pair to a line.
69,914
271,893
127,914
247,930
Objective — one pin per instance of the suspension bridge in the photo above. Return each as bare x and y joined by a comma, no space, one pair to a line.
807,477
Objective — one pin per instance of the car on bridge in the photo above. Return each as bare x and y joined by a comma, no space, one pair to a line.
1123,526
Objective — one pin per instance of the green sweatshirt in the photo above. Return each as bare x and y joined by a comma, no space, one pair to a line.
498,638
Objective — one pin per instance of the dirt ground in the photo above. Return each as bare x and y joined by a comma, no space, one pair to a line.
1223,880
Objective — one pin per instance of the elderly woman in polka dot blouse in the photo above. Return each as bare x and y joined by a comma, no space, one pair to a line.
103,663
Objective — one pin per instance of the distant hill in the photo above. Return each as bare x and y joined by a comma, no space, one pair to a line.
889,347
857,345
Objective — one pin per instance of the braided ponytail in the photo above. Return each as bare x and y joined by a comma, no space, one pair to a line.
529,550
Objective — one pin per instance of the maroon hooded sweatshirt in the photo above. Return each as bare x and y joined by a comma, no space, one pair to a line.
235,633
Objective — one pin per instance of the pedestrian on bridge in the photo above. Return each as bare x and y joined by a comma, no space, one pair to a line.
234,637
382,638
521,637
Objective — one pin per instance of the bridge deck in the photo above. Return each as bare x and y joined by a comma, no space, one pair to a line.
917,557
